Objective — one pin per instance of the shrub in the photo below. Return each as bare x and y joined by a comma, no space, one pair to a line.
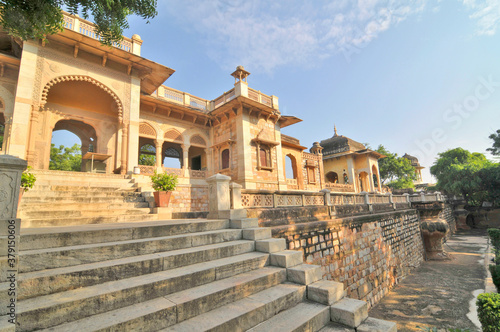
28,179
164,181
488,310
495,275
494,234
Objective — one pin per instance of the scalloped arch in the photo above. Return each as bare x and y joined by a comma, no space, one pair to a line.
68,78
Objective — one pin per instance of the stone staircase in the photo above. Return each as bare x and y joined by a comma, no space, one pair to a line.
73,198
176,275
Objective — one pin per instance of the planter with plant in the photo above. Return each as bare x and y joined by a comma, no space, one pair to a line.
163,184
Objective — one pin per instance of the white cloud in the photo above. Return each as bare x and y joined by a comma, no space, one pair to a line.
263,35
487,15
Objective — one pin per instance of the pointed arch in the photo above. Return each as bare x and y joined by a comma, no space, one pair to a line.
69,78
173,135
147,130
197,140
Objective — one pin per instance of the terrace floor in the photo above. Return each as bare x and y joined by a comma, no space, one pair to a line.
441,294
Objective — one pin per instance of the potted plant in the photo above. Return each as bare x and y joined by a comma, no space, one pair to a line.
163,184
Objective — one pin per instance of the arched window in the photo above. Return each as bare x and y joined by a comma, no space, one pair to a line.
290,167
225,158
332,177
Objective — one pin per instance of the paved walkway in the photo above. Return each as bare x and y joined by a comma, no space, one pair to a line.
441,293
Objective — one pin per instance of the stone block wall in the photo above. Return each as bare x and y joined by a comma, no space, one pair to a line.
447,214
369,254
190,198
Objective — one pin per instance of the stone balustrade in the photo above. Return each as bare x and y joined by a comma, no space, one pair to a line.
88,29
269,199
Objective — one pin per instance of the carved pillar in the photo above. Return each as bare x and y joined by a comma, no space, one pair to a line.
433,229
208,160
6,134
123,162
158,149
185,159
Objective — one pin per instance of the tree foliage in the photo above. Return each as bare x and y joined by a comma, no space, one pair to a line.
147,155
395,172
65,159
35,19
458,173
495,149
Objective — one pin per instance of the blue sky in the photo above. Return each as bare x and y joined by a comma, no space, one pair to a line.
419,77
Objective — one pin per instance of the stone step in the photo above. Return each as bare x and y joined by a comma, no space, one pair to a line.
55,309
90,211
245,313
305,316
26,202
39,238
70,206
47,282
49,258
333,327
43,195
76,221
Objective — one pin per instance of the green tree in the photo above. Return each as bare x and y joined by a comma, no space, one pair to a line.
65,159
2,130
495,149
147,155
395,172
35,19
458,173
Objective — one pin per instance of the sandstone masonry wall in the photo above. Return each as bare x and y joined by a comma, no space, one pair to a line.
189,198
447,214
369,254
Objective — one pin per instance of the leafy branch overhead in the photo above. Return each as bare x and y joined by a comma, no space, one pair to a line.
35,19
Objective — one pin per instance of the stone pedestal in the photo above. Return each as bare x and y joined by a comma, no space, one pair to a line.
433,231
219,198
461,217
10,182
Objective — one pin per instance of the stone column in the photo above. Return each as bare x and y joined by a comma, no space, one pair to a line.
185,159
219,200
158,149
123,162
10,181
328,201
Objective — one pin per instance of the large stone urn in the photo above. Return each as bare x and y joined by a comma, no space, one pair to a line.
433,229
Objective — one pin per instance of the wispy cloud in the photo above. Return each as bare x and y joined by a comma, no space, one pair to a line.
487,14
264,35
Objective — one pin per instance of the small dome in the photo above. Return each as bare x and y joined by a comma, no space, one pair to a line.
136,36
240,68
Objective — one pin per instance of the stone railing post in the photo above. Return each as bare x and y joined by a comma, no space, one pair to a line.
10,183
367,201
391,200
219,199
327,194
235,195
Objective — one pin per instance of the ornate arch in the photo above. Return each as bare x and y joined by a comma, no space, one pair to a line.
173,135
147,130
83,78
197,140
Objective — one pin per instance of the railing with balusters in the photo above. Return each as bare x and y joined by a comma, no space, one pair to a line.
265,199
88,29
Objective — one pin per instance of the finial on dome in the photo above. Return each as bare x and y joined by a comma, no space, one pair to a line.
335,129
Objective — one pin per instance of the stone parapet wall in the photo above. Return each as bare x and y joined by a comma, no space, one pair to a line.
369,254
